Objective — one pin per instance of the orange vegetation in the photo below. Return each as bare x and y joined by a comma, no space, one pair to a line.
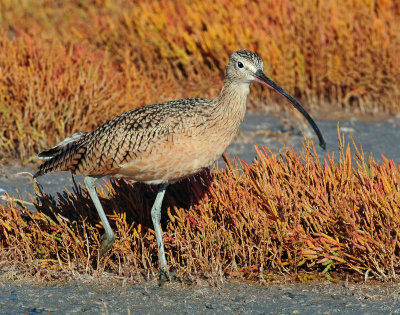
69,66
252,221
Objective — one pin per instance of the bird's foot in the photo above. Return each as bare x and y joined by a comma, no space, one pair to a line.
106,242
171,276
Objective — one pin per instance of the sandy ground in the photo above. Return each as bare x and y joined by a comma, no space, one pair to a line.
148,298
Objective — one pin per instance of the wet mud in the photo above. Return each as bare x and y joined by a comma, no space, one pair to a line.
231,298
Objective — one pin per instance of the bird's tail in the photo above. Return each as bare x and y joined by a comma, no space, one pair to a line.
59,158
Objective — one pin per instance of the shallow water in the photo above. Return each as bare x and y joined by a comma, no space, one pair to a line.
382,137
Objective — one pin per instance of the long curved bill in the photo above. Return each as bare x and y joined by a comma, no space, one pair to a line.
263,79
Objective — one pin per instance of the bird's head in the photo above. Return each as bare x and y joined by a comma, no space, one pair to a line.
245,67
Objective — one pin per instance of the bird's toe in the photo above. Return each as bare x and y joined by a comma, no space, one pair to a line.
171,277
106,242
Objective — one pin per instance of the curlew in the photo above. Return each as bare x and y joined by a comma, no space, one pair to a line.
163,143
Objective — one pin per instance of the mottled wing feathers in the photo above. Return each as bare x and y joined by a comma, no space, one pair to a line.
121,139
63,157
63,145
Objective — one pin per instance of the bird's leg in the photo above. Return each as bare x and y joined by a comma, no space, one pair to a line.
108,238
156,217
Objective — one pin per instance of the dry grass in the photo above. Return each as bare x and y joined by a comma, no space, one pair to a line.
69,66
282,214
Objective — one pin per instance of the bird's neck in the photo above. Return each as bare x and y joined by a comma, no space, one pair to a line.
231,102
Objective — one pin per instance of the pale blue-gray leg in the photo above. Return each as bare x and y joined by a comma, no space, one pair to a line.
156,217
108,238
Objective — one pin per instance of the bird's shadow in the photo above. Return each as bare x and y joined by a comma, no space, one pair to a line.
120,196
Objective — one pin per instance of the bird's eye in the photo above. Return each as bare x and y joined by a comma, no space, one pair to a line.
240,65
